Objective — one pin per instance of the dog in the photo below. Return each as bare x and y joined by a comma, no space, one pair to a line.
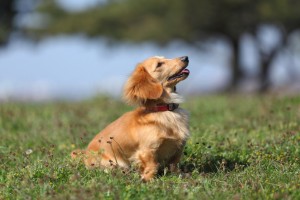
152,135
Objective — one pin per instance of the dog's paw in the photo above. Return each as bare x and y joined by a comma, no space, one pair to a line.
146,177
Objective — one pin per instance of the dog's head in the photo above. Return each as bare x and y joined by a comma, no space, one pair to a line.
154,77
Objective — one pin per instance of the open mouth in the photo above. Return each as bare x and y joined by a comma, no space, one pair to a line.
183,72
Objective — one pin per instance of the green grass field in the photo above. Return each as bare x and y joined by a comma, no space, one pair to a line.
240,148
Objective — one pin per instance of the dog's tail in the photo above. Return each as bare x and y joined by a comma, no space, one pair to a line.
91,159
78,153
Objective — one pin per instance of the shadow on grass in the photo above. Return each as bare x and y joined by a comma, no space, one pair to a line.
214,165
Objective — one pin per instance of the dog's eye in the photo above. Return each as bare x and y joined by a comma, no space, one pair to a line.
159,64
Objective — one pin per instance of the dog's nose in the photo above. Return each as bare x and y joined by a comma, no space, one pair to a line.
184,59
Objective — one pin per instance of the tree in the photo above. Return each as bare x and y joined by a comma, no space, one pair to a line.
285,15
7,14
163,21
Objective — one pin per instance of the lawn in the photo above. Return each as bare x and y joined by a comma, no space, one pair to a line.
241,147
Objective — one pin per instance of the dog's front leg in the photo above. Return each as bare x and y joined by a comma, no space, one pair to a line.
174,161
148,165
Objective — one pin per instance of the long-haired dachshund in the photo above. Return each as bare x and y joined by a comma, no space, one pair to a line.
152,135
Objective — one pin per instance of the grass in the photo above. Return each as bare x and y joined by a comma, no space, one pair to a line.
240,148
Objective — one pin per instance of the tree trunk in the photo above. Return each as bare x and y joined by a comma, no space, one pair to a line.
266,62
236,71
264,79
7,14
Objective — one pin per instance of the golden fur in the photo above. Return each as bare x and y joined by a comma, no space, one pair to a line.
143,137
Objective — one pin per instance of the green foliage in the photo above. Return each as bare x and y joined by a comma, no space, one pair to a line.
240,148
163,21
283,12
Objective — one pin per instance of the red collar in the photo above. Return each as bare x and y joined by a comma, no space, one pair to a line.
163,107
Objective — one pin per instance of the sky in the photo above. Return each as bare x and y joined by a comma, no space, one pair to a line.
72,66
78,5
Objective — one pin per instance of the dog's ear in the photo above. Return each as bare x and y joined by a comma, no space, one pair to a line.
141,86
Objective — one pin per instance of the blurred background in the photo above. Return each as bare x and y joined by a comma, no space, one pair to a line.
75,49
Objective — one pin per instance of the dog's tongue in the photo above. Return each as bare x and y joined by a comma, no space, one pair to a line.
185,71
